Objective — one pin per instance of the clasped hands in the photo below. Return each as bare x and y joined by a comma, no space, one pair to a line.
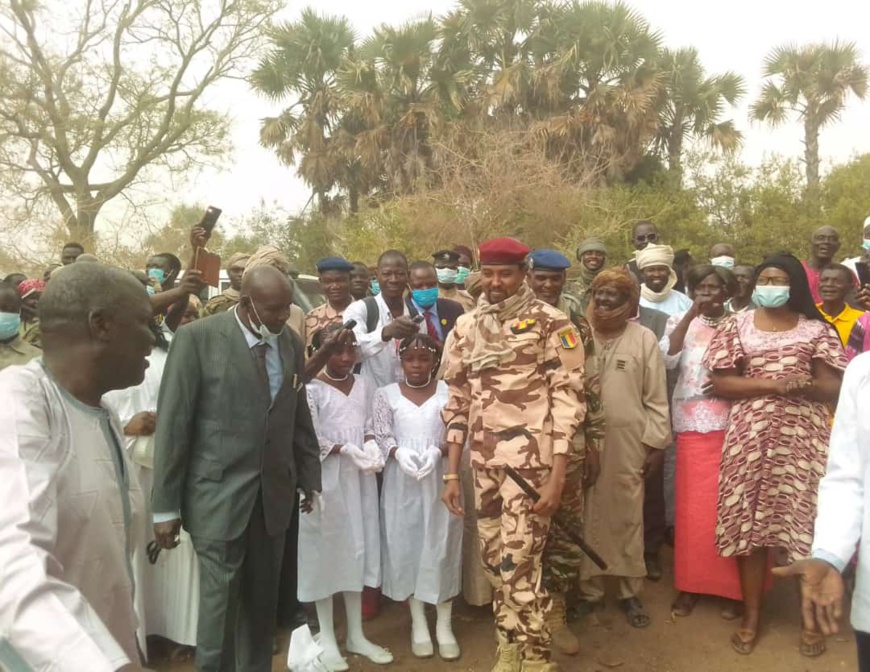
418,465
367,459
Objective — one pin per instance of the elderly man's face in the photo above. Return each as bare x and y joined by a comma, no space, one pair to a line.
128,340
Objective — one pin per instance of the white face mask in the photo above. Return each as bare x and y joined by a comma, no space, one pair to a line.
263,330
723,261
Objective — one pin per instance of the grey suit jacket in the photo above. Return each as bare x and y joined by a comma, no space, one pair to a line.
220,438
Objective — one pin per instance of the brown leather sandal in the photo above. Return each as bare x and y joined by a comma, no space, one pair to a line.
743,641
812,644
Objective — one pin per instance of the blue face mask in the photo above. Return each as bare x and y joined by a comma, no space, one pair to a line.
866,244
375,287
462,274
770,296
425,298
157,274
10,323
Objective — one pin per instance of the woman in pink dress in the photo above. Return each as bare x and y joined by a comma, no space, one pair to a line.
781,366
699,421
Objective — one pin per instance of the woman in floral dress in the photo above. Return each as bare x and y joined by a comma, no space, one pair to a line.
781,366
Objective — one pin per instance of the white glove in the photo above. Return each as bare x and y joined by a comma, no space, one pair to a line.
409,461
376,457
431,456
357,454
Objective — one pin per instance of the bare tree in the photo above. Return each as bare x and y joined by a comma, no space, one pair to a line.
95,92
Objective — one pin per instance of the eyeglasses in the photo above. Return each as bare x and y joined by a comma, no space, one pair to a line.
649,238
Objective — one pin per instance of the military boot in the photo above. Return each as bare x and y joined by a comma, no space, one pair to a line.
508,656
563,639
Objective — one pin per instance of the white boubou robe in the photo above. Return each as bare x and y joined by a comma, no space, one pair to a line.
67,509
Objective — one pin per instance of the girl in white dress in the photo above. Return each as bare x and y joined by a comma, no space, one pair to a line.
339,541
421,543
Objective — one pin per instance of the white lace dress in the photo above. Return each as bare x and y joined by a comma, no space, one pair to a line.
421,542
339,541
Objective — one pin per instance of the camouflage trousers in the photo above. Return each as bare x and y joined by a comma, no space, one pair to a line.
512,541
562,557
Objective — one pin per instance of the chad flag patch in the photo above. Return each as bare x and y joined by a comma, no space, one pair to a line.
569,339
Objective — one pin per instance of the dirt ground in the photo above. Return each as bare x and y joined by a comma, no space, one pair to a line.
698,643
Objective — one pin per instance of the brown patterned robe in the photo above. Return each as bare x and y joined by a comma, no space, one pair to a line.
776,448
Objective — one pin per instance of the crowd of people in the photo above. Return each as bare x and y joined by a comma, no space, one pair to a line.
202,471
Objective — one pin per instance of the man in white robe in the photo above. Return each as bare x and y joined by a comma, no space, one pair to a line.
68,502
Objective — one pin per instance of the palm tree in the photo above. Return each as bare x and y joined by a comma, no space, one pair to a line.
600,85
692,105
814,80
312,131
401,89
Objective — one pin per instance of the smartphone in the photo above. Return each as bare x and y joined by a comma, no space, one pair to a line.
350,324
209,219
418,319
863,269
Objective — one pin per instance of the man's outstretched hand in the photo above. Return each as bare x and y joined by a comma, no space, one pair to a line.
821,593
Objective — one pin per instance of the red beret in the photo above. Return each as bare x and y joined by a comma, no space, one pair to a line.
503,251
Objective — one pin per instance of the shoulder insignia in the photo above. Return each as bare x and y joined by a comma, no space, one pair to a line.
521,326
568,338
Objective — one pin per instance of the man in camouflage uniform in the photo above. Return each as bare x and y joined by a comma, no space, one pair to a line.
562,557
230,297
334,274
515,371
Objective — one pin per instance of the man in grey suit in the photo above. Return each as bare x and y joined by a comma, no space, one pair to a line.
234,441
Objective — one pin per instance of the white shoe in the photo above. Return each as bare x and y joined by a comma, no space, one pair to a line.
376,654
423,649
334,661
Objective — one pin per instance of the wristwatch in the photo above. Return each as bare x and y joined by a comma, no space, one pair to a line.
450,477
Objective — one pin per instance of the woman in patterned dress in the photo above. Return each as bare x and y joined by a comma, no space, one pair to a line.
781,366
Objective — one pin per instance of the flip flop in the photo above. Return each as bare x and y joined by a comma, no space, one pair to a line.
812,644
743,641
635,613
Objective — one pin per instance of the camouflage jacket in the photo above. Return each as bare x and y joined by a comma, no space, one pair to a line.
528,408
461,297
219,304
592,435
320,318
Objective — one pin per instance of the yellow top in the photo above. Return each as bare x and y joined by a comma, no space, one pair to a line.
843,322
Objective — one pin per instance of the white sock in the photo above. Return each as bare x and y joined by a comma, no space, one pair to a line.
444,624
419,626
327,630
356,639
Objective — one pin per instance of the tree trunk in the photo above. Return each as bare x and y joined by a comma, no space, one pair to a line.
353,198
811,152
82,229
675,158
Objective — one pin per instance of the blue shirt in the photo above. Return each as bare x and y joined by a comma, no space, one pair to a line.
433,316
274,368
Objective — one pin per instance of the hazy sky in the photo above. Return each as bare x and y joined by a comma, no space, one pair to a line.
729,36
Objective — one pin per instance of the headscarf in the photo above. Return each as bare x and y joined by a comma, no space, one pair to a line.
609,321
269,255
490,348
800,299
31,286
237,259
656,255
590,245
